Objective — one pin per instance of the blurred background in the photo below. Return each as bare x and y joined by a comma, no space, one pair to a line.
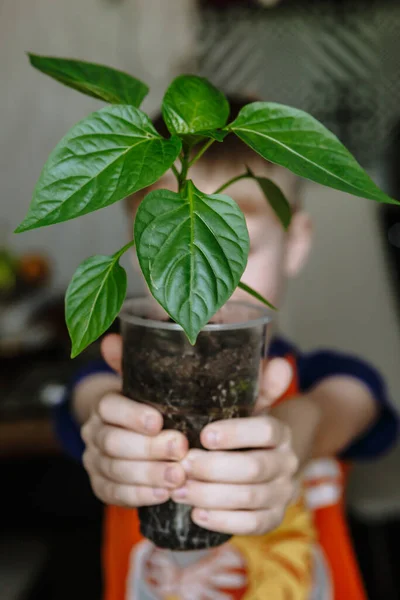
339,60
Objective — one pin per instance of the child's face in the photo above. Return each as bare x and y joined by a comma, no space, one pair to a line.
274,253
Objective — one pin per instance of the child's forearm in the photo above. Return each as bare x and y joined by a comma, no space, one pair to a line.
329,418
348,409
88,393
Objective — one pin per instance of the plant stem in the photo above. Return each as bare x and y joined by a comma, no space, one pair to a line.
232,181
119,253
175,172
185,167
249,290
201,152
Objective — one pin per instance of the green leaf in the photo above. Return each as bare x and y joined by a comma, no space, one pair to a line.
112,153
275,197
98,81
192,104
293,139
256,295
94,299
192,249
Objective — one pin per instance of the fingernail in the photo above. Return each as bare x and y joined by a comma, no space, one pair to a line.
171,475
172,448
160,494
202,515
149,423
212,438
180,494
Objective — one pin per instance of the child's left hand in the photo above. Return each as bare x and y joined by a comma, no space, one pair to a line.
242,493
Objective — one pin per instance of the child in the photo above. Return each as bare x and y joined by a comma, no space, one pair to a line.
287,489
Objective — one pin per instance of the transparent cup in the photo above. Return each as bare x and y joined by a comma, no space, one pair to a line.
191,386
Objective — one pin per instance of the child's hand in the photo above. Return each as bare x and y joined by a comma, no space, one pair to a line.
247,492
130,461
243,493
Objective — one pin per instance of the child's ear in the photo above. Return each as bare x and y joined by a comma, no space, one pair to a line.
298,243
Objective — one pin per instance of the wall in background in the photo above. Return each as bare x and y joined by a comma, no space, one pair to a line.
338,60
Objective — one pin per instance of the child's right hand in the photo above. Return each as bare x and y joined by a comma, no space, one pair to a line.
130,461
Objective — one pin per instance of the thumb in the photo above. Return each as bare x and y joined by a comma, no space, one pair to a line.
111,351
274,381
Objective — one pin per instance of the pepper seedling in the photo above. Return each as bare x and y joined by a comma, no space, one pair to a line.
192,247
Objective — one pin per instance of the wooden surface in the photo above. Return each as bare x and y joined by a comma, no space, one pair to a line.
33,437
